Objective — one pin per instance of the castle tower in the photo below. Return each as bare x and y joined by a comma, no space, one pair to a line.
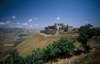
56,26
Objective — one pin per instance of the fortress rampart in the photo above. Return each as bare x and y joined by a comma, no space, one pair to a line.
56,29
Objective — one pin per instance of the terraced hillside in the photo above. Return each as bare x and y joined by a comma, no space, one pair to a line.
39,41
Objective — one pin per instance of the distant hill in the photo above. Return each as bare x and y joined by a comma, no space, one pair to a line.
16,30
11,37
38,29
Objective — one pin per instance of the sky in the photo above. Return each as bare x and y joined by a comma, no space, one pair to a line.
36,14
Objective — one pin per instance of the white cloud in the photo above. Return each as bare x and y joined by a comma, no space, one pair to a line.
58,18
2,23
8,22
19,26
10,25
18,23
35,18
13,17
31,25
30,20
24,24
87,21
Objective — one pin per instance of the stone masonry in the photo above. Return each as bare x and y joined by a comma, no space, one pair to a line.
58,28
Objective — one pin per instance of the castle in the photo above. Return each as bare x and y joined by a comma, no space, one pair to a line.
58,28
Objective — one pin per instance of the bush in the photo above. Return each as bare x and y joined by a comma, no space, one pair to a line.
58,47
86,32
14,58
39,56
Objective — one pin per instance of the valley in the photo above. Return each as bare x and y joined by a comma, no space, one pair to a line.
11,37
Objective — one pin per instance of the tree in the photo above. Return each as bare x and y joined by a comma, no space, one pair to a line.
39,56
15,56
86,32
58,47
8,60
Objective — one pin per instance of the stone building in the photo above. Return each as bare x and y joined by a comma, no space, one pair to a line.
58,28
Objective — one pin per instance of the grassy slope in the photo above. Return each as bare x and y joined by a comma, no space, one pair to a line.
36,41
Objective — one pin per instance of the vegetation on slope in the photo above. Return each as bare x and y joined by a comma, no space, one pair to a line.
86,32
91,58
41,56
56,49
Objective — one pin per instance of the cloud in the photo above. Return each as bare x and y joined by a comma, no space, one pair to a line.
87,21
30,20
18,23
58,18
13,17
31,25
19,26
8,22
10,25
2,23
24,24
35,18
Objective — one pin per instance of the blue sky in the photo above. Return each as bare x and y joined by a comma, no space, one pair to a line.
35,14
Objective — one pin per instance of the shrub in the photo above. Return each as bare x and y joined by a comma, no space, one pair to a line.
58,47
39,56
86,32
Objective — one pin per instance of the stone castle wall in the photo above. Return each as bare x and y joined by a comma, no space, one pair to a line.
57,29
